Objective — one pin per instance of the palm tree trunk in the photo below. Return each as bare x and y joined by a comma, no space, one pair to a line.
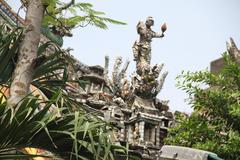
23,72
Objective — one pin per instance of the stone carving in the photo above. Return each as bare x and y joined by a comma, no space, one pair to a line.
119,84
145,81
131,104
142,47
233,51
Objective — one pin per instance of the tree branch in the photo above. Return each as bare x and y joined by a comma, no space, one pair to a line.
66,6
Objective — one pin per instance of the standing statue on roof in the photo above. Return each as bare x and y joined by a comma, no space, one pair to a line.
142,47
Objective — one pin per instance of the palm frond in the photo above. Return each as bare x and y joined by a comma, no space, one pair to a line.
9,45
75,135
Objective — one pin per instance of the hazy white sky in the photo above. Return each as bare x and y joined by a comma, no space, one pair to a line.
197,33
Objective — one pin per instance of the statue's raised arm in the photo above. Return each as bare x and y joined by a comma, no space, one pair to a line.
145,31
160,35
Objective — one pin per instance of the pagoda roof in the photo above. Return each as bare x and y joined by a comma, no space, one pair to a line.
9,15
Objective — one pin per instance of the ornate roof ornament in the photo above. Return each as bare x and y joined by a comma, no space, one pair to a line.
233,50
147,86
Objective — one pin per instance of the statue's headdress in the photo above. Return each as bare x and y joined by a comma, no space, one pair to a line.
150,19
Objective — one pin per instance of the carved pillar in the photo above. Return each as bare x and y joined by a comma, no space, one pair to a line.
122,131
122,135
91,89
87,88
102,85
136,131
146,134
158,135
141,131
152,135
130,134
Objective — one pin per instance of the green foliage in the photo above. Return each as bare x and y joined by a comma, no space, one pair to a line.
214,125
73,135
8,52
67,16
